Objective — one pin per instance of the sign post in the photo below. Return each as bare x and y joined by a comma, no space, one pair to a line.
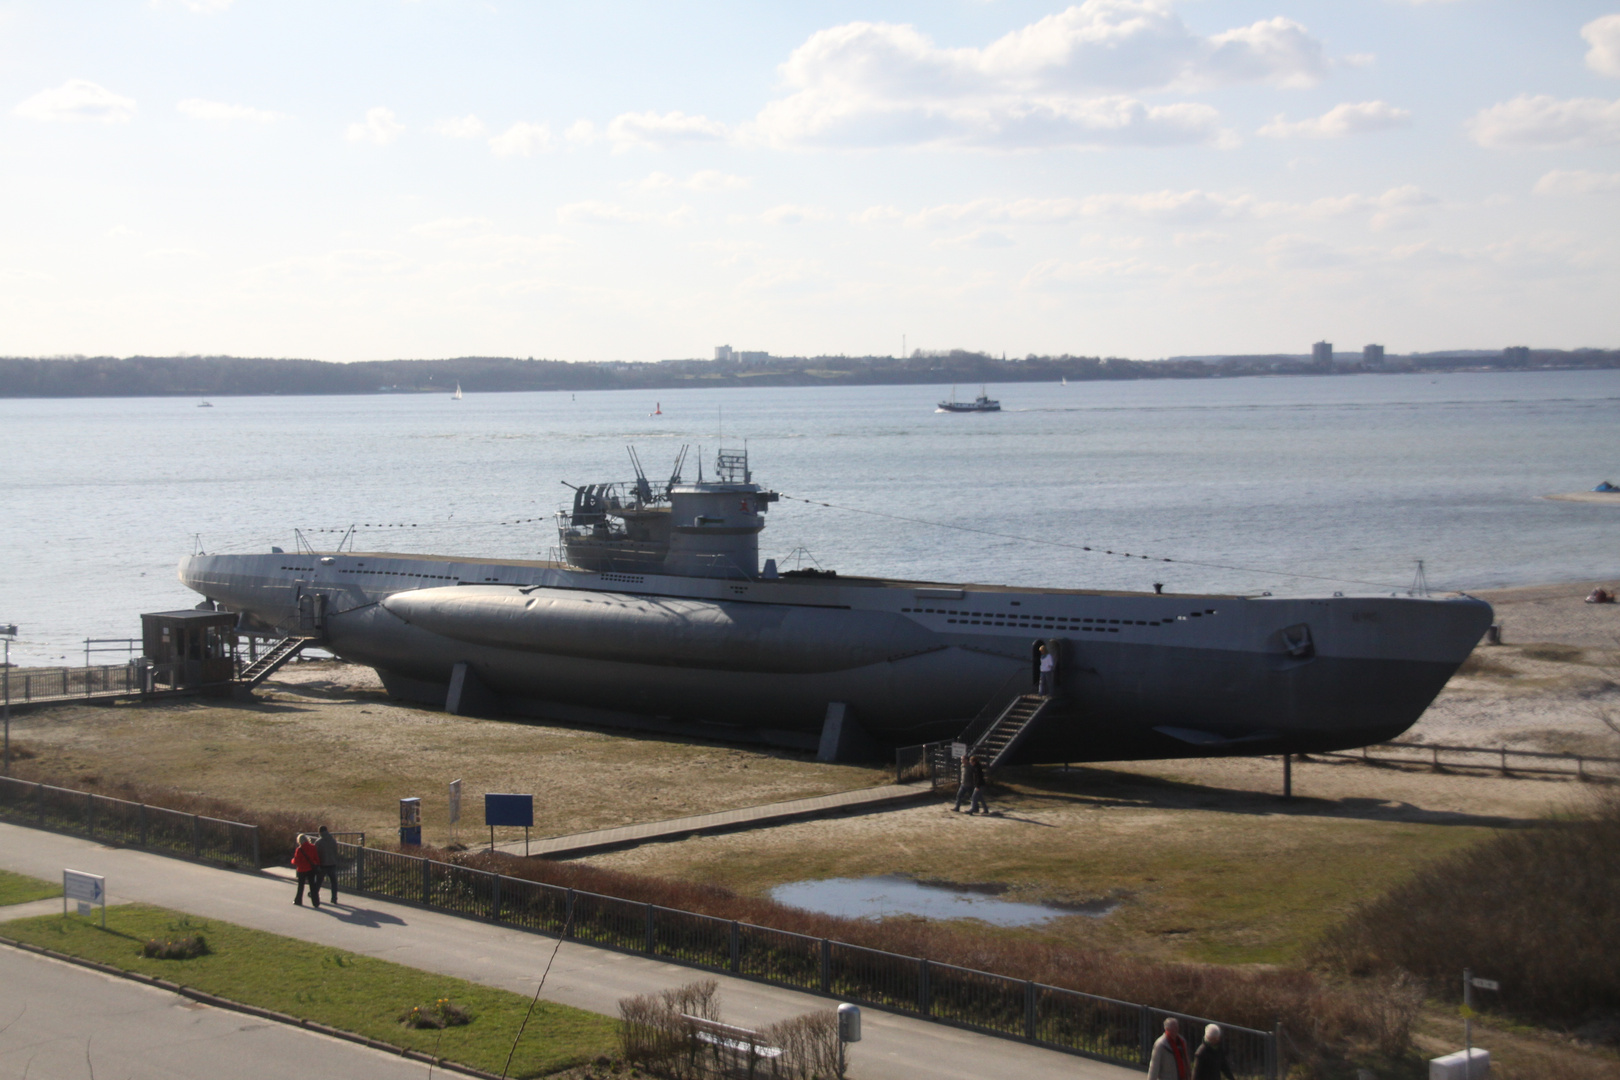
1470,982
410,822
509,810
9,631
455,809
85,889
849,1031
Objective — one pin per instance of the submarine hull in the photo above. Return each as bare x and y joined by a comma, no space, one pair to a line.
1141,675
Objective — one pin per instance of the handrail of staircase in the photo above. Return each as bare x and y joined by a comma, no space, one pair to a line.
994,707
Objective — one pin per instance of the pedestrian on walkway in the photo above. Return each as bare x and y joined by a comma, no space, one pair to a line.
964,786
973,780
1048,671
1209,1061
307,861
326,846
1170,1060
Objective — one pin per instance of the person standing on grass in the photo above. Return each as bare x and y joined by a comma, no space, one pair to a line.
307,861
1209,1061
1170,1060
326,847
975,777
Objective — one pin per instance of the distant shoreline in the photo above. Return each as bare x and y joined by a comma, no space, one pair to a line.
225,376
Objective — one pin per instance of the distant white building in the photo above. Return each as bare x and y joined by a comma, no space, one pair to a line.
722,352
1322,353
1517,354
1372,356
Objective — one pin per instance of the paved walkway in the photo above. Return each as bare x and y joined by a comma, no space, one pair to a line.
748,817
58,1020
894,1048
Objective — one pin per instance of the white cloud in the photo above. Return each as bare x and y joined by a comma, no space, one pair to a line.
592,212
380,127
452,228
1604,36
1064,80
790,214
77,101
521,140
196,7
581,131
703,180
874,214
198,109
1577,182
1350,118
629,130
978,238
1544,122
460,127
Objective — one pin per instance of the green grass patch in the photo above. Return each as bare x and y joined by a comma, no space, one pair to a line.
19,889
341,989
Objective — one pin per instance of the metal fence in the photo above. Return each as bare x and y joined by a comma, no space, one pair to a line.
56,684
1051,1016
1497,759
129,824
931,762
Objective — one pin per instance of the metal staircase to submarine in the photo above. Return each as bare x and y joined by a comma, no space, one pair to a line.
272,661
996,743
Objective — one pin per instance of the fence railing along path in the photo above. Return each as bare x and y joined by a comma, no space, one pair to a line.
68,683
129,824
1120,1032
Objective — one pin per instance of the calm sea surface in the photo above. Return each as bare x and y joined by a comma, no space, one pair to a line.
1349,478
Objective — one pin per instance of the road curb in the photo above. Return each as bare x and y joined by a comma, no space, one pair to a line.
218,1002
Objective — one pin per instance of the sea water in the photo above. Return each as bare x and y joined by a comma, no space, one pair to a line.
1289,485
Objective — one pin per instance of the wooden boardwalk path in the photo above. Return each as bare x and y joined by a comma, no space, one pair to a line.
863,800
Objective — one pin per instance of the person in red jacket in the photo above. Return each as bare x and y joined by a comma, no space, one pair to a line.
307,861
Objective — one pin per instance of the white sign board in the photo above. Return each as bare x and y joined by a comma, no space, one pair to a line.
958,749
85,890
455,801
1486,984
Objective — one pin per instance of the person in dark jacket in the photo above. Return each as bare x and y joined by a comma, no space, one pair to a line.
307,861
326,846
1209,1060
973,778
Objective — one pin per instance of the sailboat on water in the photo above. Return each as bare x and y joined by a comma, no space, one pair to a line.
457,395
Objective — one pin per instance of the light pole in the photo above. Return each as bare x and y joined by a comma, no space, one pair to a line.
8,632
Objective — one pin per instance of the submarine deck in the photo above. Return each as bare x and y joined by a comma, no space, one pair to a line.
809,581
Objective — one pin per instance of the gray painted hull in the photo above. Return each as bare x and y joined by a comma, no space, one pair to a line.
914,661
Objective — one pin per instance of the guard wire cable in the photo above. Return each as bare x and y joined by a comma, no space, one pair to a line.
1088,547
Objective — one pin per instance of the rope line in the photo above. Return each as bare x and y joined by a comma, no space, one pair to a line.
1088,547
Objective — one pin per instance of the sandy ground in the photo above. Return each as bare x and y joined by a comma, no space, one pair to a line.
1547,687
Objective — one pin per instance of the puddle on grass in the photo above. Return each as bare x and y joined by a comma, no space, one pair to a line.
891,894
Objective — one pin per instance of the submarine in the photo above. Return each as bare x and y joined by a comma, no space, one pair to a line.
658,615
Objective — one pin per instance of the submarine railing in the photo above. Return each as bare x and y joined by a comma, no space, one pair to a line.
1057,1018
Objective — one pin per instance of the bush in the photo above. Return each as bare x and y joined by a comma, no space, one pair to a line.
441,1013
188,947
1536,909
657,1033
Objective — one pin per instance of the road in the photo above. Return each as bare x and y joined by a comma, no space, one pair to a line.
58,1021
894,1047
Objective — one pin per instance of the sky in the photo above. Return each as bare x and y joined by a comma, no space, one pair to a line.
621,180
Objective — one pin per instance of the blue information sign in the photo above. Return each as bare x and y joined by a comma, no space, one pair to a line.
509,810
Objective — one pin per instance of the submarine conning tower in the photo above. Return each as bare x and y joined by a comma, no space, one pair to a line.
701,528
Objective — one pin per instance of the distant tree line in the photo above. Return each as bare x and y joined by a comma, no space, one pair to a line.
207,376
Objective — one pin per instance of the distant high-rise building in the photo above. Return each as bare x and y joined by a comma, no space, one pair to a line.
1372,356
747,357
1322,353
1518,355
722,352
